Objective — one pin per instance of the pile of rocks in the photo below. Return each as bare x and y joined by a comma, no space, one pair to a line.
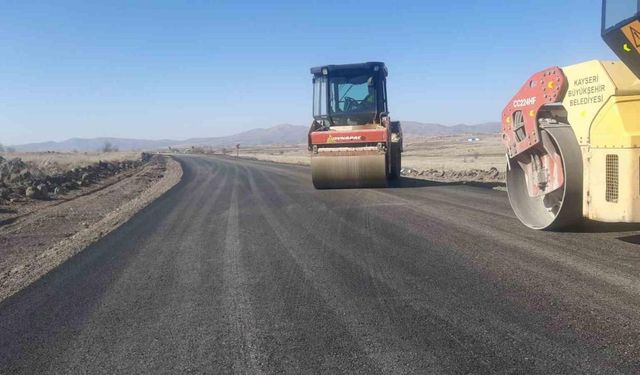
481,175
20,180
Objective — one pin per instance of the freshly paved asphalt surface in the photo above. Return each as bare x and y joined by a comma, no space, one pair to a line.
244,268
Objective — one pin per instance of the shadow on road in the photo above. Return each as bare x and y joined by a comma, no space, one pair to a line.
635,240
589,226
408,183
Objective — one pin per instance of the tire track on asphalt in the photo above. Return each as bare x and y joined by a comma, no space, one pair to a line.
447,312
320,229
236,282
292,310
334,297
153,290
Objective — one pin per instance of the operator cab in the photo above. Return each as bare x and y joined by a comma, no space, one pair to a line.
353,94
621,31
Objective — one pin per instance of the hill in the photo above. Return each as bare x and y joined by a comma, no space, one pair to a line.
94,144
284,134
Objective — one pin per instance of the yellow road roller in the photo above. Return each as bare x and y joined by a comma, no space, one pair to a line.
572,134
352,141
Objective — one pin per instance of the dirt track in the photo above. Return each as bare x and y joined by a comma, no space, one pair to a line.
244,268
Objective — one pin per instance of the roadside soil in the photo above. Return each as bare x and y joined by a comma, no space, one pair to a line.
460,158
37,236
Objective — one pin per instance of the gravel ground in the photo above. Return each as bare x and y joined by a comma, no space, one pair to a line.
38,236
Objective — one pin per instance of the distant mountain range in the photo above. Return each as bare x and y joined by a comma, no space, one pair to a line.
276,135
284,134
94,144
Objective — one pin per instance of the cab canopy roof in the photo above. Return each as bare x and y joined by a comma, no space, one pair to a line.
329,69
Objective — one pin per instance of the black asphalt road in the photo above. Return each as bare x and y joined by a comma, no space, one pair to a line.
244,268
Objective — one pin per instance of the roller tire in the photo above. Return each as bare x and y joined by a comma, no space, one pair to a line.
396,162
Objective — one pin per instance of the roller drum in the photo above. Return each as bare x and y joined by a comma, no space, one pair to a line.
339,170
558,209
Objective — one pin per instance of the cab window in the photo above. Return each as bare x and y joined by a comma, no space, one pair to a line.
617,11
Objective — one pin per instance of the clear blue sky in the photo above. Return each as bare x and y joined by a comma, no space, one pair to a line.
178,69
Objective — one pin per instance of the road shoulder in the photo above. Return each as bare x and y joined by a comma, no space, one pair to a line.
38,242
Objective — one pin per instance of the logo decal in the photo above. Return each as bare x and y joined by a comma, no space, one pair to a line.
519,103
346,138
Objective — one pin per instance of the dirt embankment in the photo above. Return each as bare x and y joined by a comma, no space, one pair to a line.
23,180
38,233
